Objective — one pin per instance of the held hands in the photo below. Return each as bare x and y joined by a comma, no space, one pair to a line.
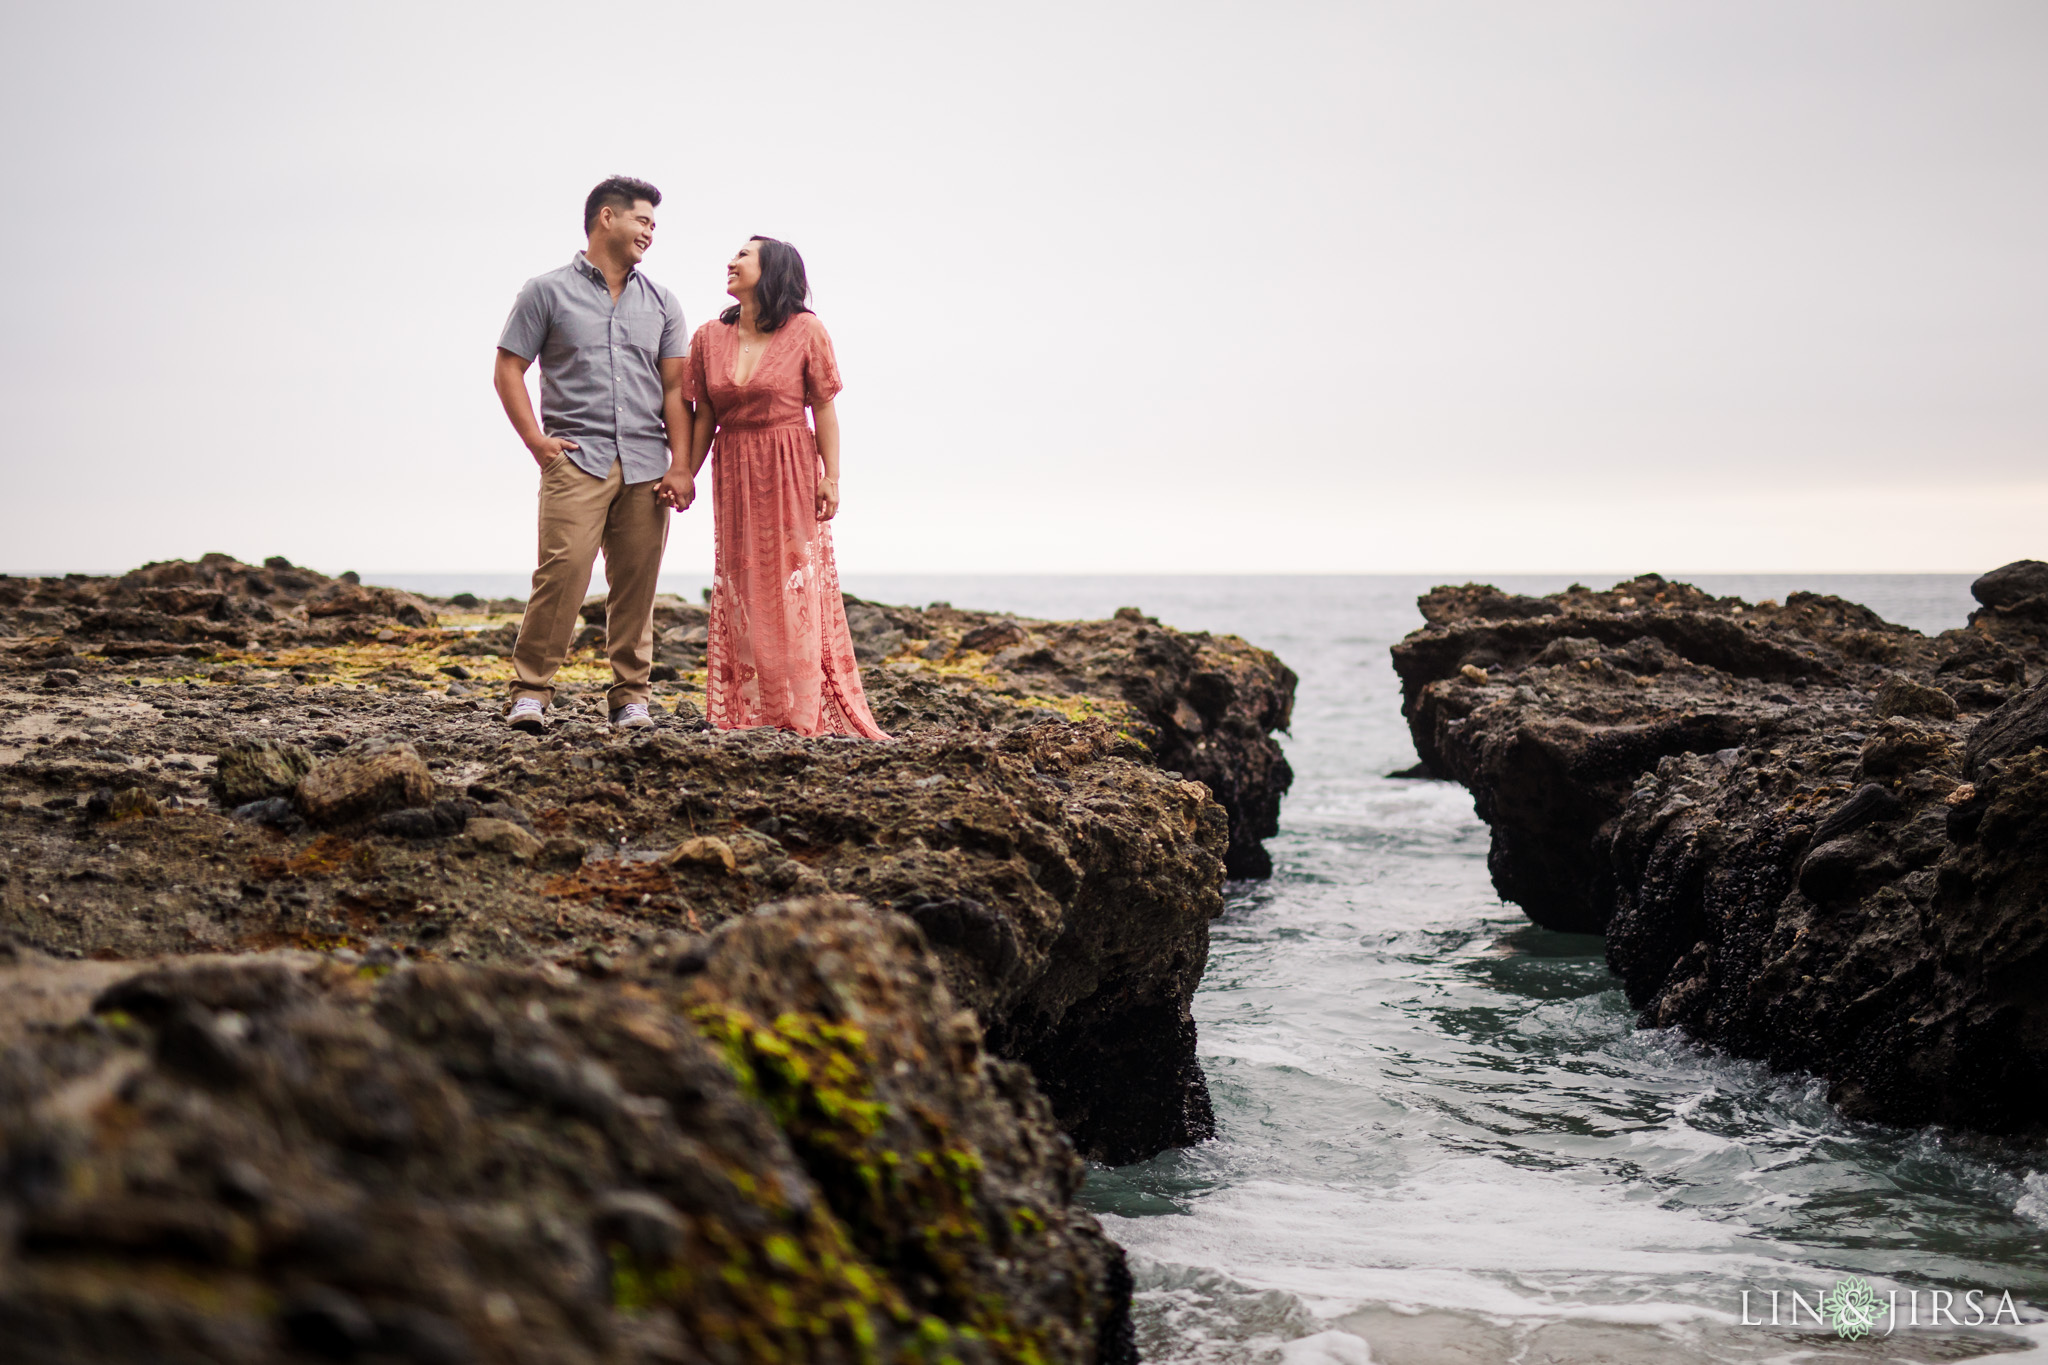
548,449
828,498
677,490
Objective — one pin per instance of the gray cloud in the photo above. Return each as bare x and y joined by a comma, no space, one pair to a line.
1124,287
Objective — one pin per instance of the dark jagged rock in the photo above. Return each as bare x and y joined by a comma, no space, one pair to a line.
1201,705
1869,802
2015,612
1058,814
450,815
159,608
257,771
365,780
352,599
2014,728
1809,835
2012,584
274,812
784,1143
1068,882
1550,719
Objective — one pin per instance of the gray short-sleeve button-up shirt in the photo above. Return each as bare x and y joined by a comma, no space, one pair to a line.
600,364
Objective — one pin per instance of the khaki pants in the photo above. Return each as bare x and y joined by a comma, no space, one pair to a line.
578,514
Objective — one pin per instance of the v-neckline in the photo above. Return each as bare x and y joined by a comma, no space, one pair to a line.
732,371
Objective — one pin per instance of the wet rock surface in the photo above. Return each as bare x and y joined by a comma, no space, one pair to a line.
261,763
1810,835
1201,705
781,1142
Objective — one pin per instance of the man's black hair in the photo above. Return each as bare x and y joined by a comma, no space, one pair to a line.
619,192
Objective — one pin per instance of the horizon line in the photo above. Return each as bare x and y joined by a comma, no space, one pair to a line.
367,574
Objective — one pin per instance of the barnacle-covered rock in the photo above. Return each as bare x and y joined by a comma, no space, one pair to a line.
1809,835
787,1144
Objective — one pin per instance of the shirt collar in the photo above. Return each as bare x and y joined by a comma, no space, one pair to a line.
582,266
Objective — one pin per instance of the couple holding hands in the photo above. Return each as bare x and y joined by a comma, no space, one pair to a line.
631,406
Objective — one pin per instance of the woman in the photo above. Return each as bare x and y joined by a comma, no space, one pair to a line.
780,652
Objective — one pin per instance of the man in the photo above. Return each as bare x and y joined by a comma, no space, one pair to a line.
613,359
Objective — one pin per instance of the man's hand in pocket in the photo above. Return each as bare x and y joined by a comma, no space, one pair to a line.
548,449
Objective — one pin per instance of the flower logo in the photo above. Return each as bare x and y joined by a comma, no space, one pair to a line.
1851,1306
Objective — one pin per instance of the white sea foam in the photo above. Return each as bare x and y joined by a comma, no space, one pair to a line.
2033,1201
1264,1054
1327,1348
1465,1234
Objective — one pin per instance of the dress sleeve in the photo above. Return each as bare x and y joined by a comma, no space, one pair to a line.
821,367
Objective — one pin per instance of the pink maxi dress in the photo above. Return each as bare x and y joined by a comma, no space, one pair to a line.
779,649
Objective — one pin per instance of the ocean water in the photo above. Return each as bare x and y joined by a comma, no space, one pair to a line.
1442,1137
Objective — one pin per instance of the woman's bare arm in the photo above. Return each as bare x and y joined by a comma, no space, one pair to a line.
827,418
679,485
700,436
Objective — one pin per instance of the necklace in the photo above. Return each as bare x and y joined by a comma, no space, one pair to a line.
746,349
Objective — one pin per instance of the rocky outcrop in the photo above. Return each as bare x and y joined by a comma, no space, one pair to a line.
365,780
1204,706
1810,836
471,1045
359,794
784,1143
1201,705
179,606
1065,879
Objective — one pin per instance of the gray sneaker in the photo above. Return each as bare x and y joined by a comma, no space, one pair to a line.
632,716
528,715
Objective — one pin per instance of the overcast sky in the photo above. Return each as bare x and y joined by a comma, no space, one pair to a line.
1432,286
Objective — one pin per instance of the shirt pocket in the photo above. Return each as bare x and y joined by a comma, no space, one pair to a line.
642,327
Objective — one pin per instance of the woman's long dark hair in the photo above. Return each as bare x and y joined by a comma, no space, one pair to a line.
784,288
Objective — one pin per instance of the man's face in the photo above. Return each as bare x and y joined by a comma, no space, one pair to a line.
628,231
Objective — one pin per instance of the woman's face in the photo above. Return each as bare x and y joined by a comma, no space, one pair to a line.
743,271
